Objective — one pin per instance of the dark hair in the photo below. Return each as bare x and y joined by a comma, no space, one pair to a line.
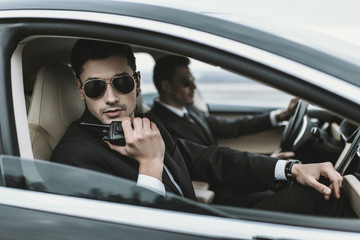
165,68
85,50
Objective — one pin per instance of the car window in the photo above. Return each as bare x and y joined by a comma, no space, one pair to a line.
44,176
217,86
221,87
145,64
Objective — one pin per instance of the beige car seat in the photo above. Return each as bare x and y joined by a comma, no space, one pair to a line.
54,104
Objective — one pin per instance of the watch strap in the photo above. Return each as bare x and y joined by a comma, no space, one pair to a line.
288,167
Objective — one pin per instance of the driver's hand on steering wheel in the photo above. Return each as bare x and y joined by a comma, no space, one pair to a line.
287,113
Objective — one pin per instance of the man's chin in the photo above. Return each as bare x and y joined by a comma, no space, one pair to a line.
189,103
109,120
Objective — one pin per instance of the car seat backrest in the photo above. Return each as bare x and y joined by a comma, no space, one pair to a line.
54,104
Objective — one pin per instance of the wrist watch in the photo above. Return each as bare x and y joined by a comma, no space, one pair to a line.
288,168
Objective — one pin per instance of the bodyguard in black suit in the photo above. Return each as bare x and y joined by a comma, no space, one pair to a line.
108,83
84,146
206,129
175,84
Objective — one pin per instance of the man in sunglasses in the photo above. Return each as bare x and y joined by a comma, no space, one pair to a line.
155,161
174,107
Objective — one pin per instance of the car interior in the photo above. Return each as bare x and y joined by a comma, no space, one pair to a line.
52,103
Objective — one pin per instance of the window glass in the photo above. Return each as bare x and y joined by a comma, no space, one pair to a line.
145,64
44,176
217,86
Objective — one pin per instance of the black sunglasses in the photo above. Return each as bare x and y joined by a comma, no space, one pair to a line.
95,88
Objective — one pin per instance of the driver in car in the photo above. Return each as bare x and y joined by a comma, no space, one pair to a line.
174,107
109,84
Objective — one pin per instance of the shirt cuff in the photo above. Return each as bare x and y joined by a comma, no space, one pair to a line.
273,121
151,183
279,173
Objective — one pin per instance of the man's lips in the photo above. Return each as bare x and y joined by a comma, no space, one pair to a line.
112,112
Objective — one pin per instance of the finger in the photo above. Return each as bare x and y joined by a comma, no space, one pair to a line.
147,131
326,191
336,195
295,99
287,154
146,123
293,104
283,155
327,197
336,189
138,124
277,151
126,125
119,149
341,179
335,179
154,127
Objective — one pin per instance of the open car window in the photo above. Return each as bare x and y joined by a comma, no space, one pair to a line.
218,87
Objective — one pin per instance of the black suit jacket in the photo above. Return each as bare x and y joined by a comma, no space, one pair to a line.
83,147
206,129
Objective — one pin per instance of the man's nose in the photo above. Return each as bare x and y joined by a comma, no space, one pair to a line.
110,95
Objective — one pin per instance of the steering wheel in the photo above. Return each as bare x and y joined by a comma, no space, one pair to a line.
292,129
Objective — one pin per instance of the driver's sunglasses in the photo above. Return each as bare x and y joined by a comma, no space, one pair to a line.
96,88
187,82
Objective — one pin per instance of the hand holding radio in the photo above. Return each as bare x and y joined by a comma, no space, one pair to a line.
141,141
145,144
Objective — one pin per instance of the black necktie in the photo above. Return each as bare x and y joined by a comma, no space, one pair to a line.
188,118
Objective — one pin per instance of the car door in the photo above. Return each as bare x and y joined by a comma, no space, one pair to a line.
40,199
46,200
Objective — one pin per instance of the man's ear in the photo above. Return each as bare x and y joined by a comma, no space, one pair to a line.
79,88
166,86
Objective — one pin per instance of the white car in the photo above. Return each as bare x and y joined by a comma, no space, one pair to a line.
267,64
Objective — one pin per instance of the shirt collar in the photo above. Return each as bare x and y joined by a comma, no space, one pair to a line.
177,111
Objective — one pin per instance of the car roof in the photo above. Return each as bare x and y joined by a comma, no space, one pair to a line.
301,46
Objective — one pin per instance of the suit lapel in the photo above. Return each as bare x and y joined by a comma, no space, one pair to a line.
204,127
180,127
177,167
174,162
